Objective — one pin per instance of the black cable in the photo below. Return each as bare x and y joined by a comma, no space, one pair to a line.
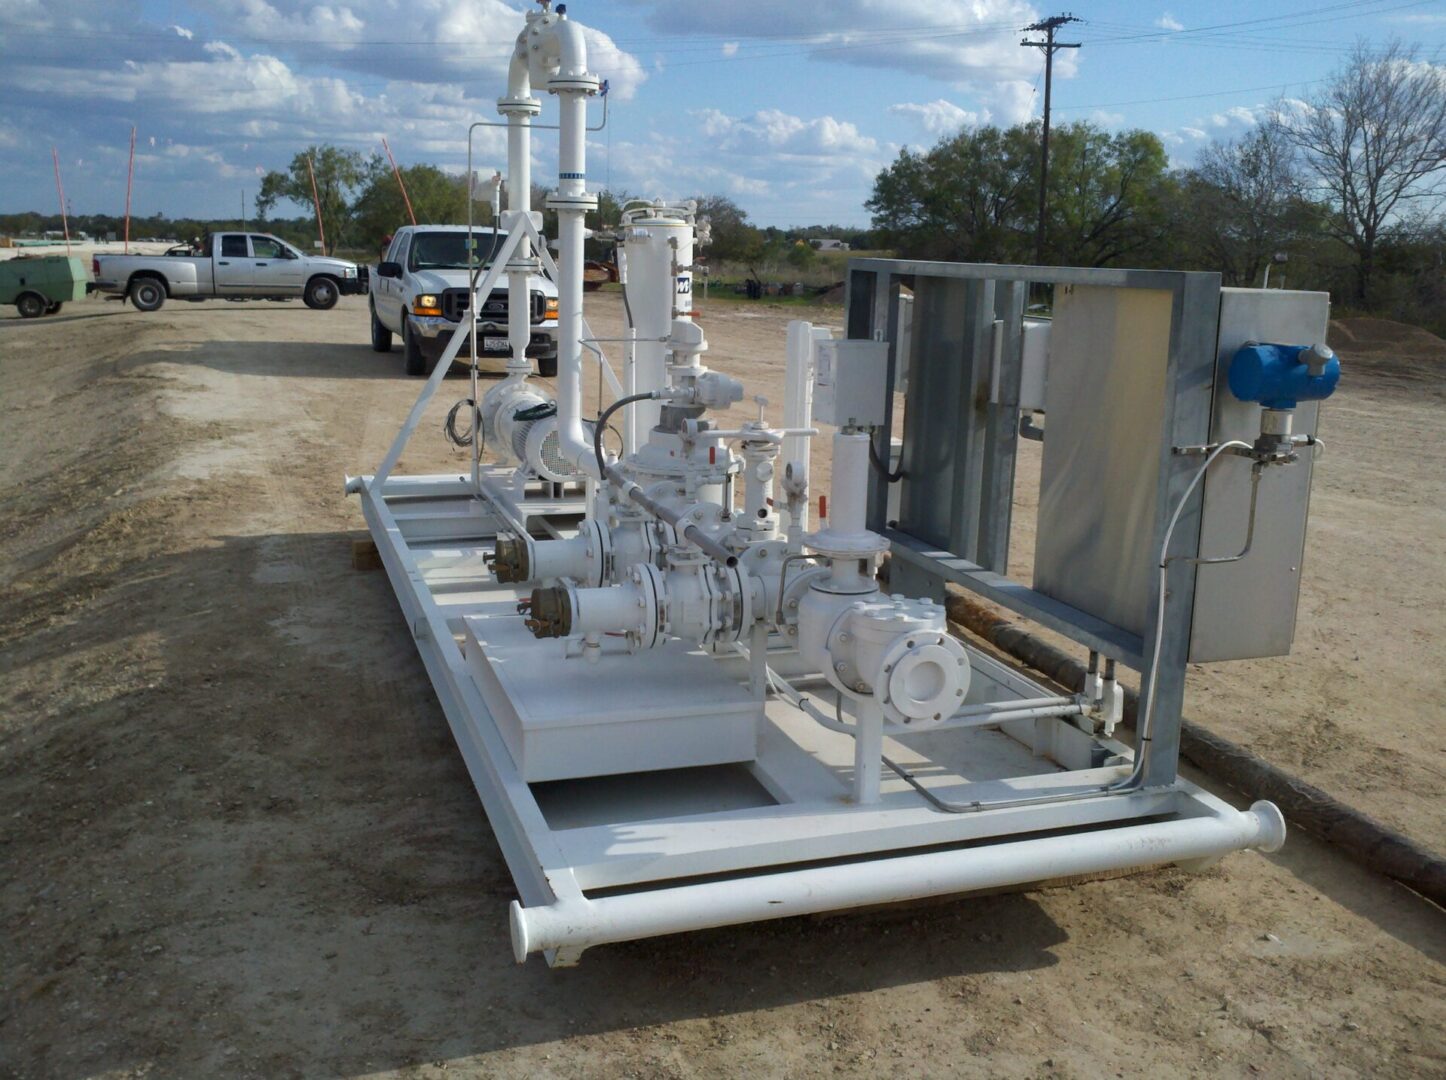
449,426
890,477
602,420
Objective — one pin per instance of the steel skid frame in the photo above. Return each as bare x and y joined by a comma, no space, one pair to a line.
965,807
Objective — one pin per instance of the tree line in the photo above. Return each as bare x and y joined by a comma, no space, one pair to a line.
1347,187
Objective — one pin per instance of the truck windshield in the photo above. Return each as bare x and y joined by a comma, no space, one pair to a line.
448,250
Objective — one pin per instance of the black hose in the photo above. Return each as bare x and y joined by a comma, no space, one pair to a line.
602,420
890,477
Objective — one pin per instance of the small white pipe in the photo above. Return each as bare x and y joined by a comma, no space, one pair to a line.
576,924
868,751
798,405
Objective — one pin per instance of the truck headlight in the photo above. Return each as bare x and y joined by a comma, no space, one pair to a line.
426,304
348,271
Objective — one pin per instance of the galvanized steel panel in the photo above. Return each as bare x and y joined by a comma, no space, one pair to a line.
1247,609
1104,413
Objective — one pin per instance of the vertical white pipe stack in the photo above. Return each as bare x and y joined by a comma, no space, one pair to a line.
519,106
573,84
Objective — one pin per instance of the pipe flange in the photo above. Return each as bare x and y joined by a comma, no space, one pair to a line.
587,83
923,679
519,106
558,201
853,545
649,581
600,553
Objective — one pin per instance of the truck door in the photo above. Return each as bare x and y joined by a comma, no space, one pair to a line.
277,271
232,261
389,297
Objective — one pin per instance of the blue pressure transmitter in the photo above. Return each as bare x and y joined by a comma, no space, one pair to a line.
1282,376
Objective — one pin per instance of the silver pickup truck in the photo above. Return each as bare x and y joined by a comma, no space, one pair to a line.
420,292
230,266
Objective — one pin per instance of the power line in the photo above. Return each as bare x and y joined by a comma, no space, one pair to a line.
1194,97
1047,27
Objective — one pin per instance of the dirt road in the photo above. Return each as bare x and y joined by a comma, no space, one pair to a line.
236,838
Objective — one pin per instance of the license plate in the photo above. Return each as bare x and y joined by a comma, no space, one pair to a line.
496,344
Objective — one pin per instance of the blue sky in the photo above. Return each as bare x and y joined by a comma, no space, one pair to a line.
790,109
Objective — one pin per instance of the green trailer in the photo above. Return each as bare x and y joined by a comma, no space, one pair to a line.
38,284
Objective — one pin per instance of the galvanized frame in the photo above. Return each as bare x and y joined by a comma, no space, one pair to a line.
983,526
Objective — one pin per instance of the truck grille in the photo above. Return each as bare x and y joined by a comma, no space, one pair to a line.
455,303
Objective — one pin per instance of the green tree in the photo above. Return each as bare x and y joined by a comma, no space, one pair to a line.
971,197
733,238
1107,196
340,174
967,198
438,198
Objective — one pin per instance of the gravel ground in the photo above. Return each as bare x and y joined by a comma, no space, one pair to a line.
237,839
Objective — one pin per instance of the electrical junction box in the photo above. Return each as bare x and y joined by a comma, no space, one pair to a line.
850,382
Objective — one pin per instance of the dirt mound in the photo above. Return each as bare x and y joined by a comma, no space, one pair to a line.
1364,334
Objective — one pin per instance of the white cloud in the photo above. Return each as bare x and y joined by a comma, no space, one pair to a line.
1238,116
940,117
439,41
1169,22
181,31
772,131
1106,119
965,43
730,48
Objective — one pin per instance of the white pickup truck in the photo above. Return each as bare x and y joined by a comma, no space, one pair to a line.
419,293
229,266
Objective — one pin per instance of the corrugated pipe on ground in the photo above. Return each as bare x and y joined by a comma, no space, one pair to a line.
1358,835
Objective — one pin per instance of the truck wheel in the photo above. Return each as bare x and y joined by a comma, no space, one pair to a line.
147,294
321,293
54,308
412,351
30,306
381,336
547,366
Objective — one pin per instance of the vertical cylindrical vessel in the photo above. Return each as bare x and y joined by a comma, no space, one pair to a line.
659,248
848,490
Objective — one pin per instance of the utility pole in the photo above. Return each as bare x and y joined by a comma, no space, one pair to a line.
243,209
1047,27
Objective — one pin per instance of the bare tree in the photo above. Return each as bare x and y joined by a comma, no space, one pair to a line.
1247,202
1375,140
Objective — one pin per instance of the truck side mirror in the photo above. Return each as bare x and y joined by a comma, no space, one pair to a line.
389,269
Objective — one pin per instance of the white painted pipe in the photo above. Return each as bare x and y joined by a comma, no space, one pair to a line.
573,445
798,404
849,487
580,923
519,106
610,609
565,558
572,205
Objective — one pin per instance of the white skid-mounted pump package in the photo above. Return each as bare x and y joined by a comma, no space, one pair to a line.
687,702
